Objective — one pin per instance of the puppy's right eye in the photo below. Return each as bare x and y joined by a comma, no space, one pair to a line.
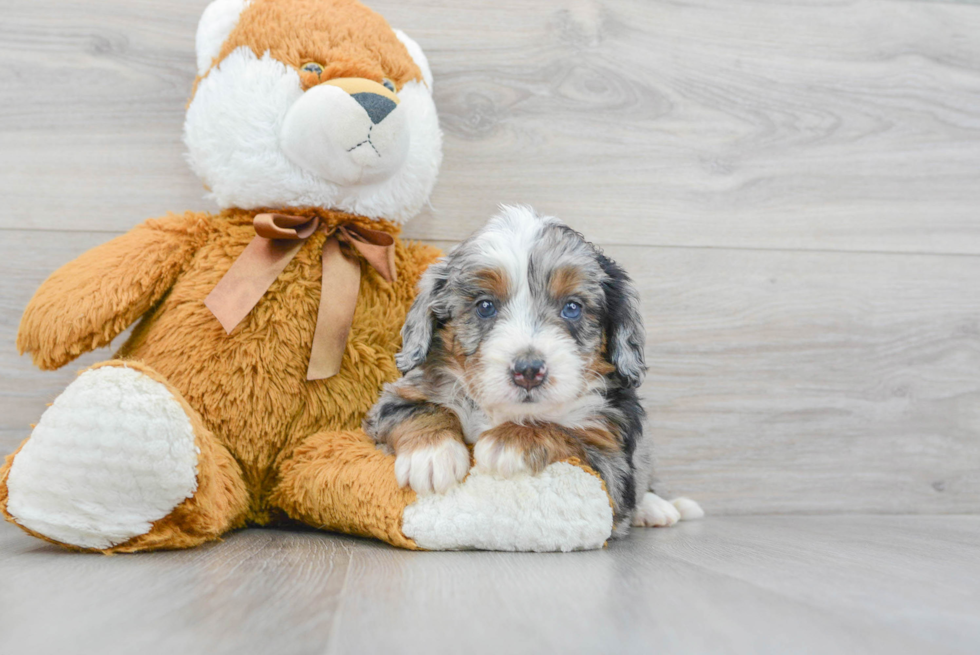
486,309
312,67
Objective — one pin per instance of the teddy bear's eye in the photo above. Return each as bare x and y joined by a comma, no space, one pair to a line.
388,84
312,67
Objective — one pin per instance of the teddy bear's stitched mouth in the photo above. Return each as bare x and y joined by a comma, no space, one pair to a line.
367,141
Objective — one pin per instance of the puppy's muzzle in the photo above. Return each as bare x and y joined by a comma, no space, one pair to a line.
528,373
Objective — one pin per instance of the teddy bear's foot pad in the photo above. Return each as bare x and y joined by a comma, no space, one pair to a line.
114,453
563,508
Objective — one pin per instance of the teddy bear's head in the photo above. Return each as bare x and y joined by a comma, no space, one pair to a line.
312,103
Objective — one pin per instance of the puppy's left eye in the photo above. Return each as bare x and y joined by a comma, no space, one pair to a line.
571,311
312,67
486,309
388,84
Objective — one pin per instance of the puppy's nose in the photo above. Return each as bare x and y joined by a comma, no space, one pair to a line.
377,106
529,373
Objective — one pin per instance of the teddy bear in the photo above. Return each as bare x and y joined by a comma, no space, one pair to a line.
264,332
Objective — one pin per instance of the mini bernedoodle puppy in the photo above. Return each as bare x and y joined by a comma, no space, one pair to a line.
526,341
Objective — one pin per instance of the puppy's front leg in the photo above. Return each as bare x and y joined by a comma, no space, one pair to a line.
427,439
510,448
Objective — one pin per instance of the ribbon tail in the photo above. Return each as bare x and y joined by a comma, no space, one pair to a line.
249,277
340,284
375,246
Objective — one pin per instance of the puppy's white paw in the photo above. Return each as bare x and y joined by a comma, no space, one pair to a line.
495,458
689,509
433,468
655,512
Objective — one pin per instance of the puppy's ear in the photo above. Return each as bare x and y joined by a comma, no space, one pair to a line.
625,337
421,321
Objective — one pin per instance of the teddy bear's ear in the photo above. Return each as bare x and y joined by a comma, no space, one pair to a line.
418,56
218,20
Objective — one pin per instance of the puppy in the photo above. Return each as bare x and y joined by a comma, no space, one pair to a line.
526,341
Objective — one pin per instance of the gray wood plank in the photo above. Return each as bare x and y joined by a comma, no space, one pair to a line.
852,584
717,586
779,382
260,592
26,260
922,581
816,125
813,382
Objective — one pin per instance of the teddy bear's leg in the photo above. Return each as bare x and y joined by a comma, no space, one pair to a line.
341,481
120,463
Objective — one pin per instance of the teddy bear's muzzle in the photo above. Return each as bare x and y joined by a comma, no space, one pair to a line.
347,131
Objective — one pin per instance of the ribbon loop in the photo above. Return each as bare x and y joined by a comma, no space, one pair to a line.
284,226
278,238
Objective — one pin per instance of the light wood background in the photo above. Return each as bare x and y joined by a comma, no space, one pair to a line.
795,185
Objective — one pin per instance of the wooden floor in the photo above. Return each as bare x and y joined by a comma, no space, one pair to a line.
795,184
759,584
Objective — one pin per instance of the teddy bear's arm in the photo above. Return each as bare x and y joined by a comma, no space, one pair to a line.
89,301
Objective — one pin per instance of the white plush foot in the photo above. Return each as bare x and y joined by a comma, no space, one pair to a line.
563,508
689,509
655,512
433,468
114,453
495,458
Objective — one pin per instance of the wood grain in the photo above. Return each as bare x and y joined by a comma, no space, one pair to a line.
857,584
267,592
813,382
821,125
741,585
793,382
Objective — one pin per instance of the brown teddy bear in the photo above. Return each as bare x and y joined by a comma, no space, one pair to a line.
267,330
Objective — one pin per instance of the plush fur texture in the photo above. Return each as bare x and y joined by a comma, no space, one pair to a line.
564,508
261,131
250,440
148,446
248,388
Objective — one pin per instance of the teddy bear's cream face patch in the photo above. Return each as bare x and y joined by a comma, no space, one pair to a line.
349,136
259,134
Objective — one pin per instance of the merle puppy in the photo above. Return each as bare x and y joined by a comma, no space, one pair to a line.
526,341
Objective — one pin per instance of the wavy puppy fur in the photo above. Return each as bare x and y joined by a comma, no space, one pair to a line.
530,339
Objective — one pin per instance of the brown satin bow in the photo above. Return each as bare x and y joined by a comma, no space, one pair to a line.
278,238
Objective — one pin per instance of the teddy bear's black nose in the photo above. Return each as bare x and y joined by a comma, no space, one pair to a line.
376,106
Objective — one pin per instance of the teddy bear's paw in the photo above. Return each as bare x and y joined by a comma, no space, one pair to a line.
561,509
114,453
434,468
655,512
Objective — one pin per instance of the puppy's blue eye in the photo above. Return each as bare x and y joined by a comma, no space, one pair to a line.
486,309
571,311
388,84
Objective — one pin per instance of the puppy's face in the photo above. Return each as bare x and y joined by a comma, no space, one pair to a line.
528,316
